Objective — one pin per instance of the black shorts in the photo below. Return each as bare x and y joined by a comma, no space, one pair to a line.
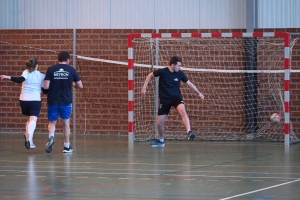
165,106
31,108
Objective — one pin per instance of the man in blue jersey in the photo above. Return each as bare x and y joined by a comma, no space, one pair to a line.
58,85
170,95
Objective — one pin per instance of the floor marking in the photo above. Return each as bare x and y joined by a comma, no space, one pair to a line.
81,177
189,179
103,177
235,180
61,176
260,190
123,178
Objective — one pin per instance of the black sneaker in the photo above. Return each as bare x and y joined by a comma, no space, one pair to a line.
27,143
191,135
67,150
49,145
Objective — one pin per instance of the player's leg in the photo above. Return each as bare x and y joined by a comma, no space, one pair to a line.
185,118
65,113
160,125
31,129
25,111
160,141
52,117
27,122
67,133
51,140
163,111
180,106
34,110
52,127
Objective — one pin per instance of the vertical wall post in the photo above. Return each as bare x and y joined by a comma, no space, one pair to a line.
74,90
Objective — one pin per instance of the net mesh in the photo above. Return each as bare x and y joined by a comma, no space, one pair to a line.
242,80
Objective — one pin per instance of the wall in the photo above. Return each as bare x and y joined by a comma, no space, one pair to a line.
147,14
278,14
105,84
101,107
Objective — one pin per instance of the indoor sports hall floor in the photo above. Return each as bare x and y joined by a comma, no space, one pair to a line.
106,167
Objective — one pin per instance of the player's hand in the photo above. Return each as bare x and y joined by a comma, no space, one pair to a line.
4,77
201,95
143,91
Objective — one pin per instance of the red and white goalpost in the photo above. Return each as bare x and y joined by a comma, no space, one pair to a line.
245,77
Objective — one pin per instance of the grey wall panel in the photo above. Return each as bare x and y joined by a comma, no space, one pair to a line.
278,14
175,14
222,14
33,14
44,14
133,14
178,14
144,14
89,14
10,14
120,14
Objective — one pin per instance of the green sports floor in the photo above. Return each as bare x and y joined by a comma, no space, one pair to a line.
107,167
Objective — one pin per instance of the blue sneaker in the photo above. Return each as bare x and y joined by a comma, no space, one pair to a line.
191,135
157,143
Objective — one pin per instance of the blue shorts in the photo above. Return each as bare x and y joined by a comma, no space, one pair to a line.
63,111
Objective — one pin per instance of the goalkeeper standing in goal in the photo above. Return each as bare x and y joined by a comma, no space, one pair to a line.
170,95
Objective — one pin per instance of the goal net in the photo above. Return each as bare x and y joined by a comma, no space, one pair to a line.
243,76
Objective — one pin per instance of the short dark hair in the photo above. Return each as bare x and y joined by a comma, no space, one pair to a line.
31,64
63,56
174,60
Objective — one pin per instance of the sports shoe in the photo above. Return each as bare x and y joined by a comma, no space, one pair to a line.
32,146
157,143
191,135
49,145
67,150
27,143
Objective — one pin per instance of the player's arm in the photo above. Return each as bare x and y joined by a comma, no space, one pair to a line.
20,79
194,88
147,80
77,85
45,87
46,84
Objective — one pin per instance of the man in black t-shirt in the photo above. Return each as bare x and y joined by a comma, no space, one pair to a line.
170,95
58,85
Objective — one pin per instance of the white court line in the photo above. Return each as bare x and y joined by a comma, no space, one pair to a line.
260,190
